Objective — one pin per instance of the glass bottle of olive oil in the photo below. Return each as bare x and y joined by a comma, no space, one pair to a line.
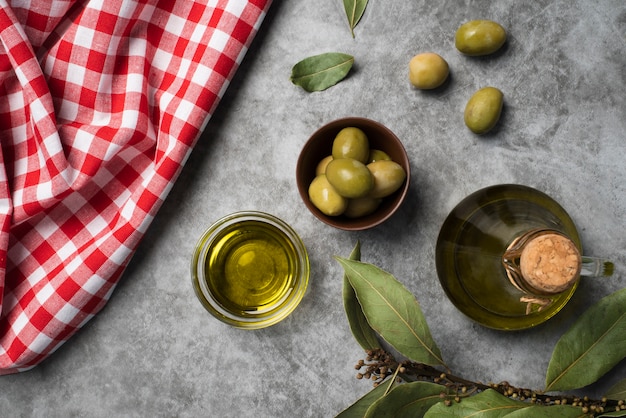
470,249
509,257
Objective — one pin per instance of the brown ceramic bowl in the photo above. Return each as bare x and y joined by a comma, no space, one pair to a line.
319,146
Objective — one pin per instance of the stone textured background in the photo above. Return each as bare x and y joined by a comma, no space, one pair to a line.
153,351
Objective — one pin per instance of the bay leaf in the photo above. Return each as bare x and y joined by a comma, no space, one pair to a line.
613,414
360,407
487,404
407,400
361,330
392,311
617,391
354,12
320,72
591,347
550,411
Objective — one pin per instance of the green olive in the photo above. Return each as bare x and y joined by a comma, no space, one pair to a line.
428,71
377,155
479,37
361,206
351,143
351,178
321,166
388,177
325,197
483,110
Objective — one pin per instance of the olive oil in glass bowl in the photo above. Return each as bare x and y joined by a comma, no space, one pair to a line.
471,245
250,270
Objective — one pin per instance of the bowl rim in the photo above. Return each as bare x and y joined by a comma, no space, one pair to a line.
368,221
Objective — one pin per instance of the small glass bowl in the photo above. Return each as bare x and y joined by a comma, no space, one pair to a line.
250,270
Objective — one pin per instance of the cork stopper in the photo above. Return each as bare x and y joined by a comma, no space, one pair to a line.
550,263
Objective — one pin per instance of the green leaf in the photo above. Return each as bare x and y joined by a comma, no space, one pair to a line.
492,404
552,411
320,72
360,407
354,12
591,347
613,414
407,400
362,332
392,311
617,391
487,404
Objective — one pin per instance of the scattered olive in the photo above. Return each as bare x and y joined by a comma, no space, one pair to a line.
479,37
428,71
483,110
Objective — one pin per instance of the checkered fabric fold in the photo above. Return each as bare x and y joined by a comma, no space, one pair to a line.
101,103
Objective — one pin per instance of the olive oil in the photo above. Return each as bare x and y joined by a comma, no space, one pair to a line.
250,270
471,245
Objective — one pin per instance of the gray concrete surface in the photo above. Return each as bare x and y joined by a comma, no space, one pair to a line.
154,352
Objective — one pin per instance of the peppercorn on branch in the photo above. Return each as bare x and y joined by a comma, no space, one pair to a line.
380,365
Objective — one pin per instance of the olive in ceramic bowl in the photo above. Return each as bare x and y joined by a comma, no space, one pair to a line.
362,212
351,178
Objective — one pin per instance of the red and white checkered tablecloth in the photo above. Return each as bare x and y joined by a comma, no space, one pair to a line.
101,103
